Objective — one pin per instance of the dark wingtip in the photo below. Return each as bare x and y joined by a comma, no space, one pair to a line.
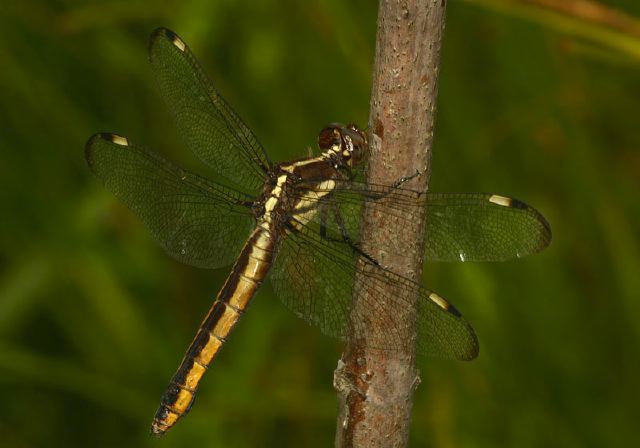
453,310
517,203
160,34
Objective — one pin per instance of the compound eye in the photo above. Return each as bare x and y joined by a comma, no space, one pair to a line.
328,138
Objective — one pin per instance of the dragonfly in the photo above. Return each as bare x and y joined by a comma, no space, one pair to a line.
297,222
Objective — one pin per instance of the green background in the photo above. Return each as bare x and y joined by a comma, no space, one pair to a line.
94,317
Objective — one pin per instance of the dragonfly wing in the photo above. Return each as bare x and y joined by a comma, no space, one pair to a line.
483,227
196,221
210,127
316,278
460,227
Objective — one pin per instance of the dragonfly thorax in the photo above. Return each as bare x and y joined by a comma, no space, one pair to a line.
293,190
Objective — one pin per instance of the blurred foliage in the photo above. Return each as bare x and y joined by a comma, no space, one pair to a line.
586,19
94,317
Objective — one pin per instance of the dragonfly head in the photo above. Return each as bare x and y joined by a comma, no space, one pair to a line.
347,144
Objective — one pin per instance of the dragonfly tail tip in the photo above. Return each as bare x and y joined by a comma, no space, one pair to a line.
157,430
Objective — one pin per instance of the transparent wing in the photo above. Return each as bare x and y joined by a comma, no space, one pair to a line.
210,127
460,227
196,221
483,227
315,277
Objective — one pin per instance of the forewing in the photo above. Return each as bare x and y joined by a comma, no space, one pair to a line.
196,221
459,227
482,227
316,278
210,127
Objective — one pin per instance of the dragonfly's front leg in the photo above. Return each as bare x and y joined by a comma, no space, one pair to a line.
344,234
391,188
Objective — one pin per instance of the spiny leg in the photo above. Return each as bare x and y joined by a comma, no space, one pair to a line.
394,186
345,238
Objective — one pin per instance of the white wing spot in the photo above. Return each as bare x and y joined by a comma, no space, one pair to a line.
435,298
500,200
119,140
179,43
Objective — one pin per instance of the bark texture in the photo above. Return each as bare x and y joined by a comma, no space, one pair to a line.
375,388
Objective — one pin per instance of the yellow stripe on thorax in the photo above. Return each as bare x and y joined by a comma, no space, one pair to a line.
306,208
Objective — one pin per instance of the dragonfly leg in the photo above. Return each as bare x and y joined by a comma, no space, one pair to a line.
394,186
345,238
402,180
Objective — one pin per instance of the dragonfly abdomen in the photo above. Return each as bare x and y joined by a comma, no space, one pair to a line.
246,276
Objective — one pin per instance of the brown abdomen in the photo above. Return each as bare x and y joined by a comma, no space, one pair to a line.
250,269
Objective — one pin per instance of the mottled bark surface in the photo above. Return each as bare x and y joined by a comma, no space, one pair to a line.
375,388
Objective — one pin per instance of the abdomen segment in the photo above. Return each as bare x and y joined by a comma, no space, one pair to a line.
250,269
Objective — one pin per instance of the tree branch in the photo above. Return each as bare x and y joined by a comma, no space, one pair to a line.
375,388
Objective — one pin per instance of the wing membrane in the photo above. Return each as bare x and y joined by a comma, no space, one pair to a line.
316,278
210,127
460,227
196,221
482,227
